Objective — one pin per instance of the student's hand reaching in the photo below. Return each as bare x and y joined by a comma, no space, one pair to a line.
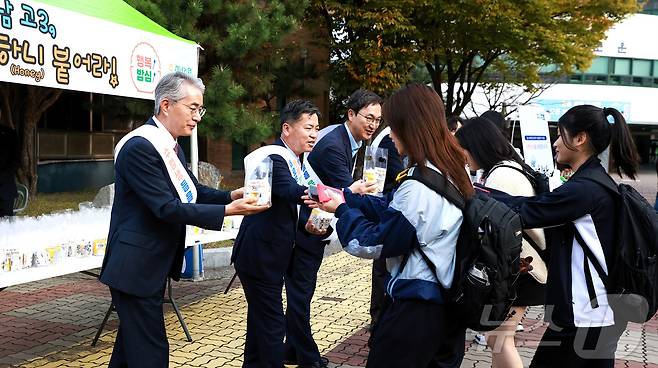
331,205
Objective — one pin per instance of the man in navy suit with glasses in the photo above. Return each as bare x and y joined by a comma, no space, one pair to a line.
333,159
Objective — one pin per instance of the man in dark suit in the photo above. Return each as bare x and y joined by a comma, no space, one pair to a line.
333,161
265,241
147,229
8,164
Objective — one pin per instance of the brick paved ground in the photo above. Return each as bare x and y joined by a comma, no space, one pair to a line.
51,323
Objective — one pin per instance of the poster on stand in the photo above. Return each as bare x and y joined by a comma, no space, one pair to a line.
536,139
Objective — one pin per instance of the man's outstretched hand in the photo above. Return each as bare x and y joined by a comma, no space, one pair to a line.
363,187
314,230
244,206
237,194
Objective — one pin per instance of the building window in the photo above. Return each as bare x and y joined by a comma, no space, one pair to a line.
650,7
642,68
619,71
599,66
622,67
596,78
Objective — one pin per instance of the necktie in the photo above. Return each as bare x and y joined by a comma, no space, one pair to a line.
357,162
176,148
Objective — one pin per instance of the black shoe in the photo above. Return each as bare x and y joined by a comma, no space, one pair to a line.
322,363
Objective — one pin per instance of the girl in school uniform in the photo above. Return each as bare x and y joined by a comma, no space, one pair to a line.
417,329
583,330
486,148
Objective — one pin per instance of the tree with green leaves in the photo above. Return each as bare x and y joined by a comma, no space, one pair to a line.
243,58
463,40
467,42
370,46
243,64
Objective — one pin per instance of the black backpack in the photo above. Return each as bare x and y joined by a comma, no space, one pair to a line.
487,254
540,184
632,282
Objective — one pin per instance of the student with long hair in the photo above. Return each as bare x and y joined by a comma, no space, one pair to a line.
583,330
486,148
417,329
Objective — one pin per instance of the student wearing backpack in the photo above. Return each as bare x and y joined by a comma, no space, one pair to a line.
486,148
583,329
417,329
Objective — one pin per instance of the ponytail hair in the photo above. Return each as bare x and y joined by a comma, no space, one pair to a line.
603,133
622,146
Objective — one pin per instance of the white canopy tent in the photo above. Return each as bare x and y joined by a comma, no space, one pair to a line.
99,46
103,47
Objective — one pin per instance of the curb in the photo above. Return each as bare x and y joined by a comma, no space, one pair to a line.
217,257
221,257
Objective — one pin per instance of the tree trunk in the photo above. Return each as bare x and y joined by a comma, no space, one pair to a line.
27,172
26,104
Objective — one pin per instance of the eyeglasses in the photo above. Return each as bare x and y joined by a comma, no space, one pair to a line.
371,119
195,110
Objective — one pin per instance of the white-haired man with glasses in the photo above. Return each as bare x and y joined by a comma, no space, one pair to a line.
155,197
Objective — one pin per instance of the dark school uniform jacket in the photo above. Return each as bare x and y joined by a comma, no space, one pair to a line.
578,205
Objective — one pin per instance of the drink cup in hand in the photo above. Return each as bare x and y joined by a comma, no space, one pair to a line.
374,168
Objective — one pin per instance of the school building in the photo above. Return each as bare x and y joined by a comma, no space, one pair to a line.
623,75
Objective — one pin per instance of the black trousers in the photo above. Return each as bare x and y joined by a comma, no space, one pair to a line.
378,292
141,339
265,323
300,283
416,334
578,347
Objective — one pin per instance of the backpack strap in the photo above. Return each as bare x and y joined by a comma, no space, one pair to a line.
441,185
588,275
523,171
438,183
602,179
